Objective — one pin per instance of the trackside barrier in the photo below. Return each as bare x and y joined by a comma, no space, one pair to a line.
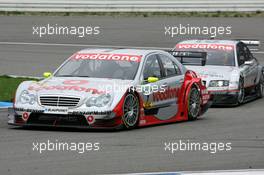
131,6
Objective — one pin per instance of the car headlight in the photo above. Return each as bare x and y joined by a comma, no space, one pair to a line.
99,101
26,97
218,83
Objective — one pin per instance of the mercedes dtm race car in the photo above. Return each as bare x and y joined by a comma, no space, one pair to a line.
112,88
227,67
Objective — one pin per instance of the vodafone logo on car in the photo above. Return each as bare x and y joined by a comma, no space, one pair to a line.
224,47
68,85
111,57
75,82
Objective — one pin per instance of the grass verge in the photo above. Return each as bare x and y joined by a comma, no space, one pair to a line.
137,14
8,86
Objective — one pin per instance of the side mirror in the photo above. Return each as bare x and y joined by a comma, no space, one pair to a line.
152,79
248,62
47,74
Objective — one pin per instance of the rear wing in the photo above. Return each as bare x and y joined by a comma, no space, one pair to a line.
248,42
190,57
251,44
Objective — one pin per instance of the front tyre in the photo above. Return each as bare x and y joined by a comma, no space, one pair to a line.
194,104
260,87
131,111
241,92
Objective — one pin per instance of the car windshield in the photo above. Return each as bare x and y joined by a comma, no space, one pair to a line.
215,57
99,68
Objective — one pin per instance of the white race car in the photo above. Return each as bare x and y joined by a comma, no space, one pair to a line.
112,88
227,67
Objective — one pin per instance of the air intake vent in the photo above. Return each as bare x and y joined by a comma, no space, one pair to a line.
59,101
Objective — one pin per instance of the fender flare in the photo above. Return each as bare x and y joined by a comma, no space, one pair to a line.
188,84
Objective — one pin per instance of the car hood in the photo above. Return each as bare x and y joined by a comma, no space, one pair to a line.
82,87
213,72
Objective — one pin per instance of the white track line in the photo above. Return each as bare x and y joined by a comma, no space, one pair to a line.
88,45
216,172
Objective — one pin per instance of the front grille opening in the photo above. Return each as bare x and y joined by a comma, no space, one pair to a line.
59,101
57,120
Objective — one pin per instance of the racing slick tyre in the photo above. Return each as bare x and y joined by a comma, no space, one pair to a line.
241,92
260,87
131,111
194,103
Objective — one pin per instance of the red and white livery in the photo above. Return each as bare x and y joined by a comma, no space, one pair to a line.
112,88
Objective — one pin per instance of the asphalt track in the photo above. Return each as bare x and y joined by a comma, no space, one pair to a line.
140,150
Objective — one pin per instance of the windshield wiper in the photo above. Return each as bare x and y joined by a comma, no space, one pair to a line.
82,76
65,76
72,76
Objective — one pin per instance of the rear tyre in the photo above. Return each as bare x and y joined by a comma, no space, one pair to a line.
241,92
131,111
194,104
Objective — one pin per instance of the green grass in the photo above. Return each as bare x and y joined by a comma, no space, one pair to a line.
8,86
138,14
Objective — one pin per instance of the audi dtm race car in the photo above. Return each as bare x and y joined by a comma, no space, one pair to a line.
227,67
112,88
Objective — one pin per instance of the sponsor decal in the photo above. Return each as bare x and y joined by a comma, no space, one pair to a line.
91,112
75,82
106,56
169,93
72,113
142,122
64,88
90,119
223,91
204,75
28,110
61,110
148,105
224,47
25,116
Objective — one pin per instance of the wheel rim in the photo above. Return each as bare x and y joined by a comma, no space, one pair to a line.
241,93
194,103
131,110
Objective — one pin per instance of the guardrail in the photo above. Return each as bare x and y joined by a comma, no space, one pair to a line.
131,6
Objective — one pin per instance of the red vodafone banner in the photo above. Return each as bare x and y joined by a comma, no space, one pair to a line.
224,47
105,56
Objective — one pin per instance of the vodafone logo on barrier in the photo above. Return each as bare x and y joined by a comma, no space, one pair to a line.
224,47
111,57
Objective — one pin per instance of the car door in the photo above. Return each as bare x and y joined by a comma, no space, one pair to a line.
247,70
151,68
252,63
162,101
173,79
